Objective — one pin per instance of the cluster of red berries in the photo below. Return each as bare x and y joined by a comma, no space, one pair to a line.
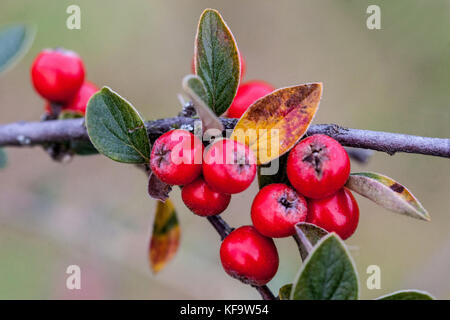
247,93
58,75
317,169
208,178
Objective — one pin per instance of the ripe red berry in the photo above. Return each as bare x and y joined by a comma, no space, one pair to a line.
203,201
79,102
276,209
318,166
57,74
337,213
248,93
229,166
176,157
249,256
243,65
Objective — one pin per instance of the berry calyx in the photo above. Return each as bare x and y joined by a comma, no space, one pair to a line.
176,157
276,210
57,74
337,213
202,200
249,256
79,102
229,166
246,95
318,166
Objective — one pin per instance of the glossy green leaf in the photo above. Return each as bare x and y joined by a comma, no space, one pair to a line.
407,295
285,292
387,193
116,129
195,89
307,235
15,40
217,60
327,274
3,158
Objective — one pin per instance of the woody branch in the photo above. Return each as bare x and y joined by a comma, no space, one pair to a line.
37,133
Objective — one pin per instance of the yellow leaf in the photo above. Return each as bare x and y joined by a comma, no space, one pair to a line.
165,236
273,124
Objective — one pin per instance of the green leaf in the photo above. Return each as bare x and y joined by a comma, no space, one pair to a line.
285,291
217,60
116,129
195,89
407,295
3,158
15,40
387,193
307,235
79,147
82,148
327,274
70,114
280,175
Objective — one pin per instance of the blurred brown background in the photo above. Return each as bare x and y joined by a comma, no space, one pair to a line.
95,213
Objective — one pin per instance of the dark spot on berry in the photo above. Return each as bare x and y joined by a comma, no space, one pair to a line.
396,187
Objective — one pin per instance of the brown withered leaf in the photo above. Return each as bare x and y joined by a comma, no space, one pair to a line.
157,189
273,124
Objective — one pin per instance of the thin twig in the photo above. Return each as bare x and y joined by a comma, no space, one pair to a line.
222,228
36,133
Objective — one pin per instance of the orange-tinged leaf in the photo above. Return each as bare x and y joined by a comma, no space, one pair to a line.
272,125
165,236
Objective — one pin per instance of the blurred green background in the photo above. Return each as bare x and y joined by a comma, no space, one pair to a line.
95,213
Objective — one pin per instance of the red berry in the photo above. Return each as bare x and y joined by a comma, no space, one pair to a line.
249,256
243,65
203,201
176,157
276,209
57,74
337,213
248,93
79,102
229,166
318,166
